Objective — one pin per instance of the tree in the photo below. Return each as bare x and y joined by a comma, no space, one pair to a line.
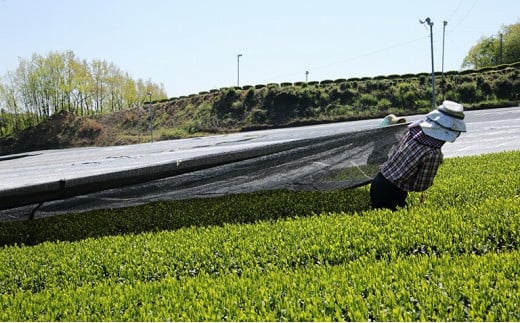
503,48
511,47
482,54
45,85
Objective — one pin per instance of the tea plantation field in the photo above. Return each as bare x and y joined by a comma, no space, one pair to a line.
453,255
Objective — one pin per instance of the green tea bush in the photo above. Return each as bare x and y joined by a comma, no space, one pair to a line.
272,256
242,208
467,288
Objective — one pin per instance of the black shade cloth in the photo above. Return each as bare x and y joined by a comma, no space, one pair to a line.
330,162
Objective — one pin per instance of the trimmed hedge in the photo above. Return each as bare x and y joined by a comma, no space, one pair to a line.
451,256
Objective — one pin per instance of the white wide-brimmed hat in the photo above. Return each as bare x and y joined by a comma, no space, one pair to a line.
446,122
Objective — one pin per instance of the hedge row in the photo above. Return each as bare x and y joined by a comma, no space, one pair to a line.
335,239
452,257
497,68
423,288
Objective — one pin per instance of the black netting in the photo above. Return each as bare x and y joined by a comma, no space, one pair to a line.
325,163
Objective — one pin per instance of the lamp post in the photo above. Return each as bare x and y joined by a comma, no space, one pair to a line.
430,23
151,114
442,70
238,69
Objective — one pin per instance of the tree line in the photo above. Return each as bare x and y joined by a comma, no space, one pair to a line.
44,85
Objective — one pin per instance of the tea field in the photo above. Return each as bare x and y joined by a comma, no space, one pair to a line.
279,256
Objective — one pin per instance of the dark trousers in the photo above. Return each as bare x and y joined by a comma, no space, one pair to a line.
385,195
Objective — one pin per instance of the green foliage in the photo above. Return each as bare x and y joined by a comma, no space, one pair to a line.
502,87
244,208
45,85
257,116
501,48
405,95
467,92
366,101
274,256
384,104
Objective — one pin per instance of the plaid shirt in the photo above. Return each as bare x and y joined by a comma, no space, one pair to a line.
413,166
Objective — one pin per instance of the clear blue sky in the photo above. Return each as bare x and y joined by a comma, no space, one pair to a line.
192,45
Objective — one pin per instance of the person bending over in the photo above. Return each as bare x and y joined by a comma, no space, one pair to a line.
414,164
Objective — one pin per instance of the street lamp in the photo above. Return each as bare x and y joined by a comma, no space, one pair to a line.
442,70
430,23
238,69
151,115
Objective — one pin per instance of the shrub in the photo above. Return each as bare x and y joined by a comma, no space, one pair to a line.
503,87
257,116
326,82
366,102
291,256
384,105
467,92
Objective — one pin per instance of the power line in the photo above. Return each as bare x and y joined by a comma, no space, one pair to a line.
351,58
377,51
459,22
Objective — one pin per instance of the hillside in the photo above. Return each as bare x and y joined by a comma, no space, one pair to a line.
271,105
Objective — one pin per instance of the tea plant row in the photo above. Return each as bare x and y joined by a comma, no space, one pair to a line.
452,257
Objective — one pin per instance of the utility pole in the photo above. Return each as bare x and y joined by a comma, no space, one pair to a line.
442,70
151,115
238,69
430,23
